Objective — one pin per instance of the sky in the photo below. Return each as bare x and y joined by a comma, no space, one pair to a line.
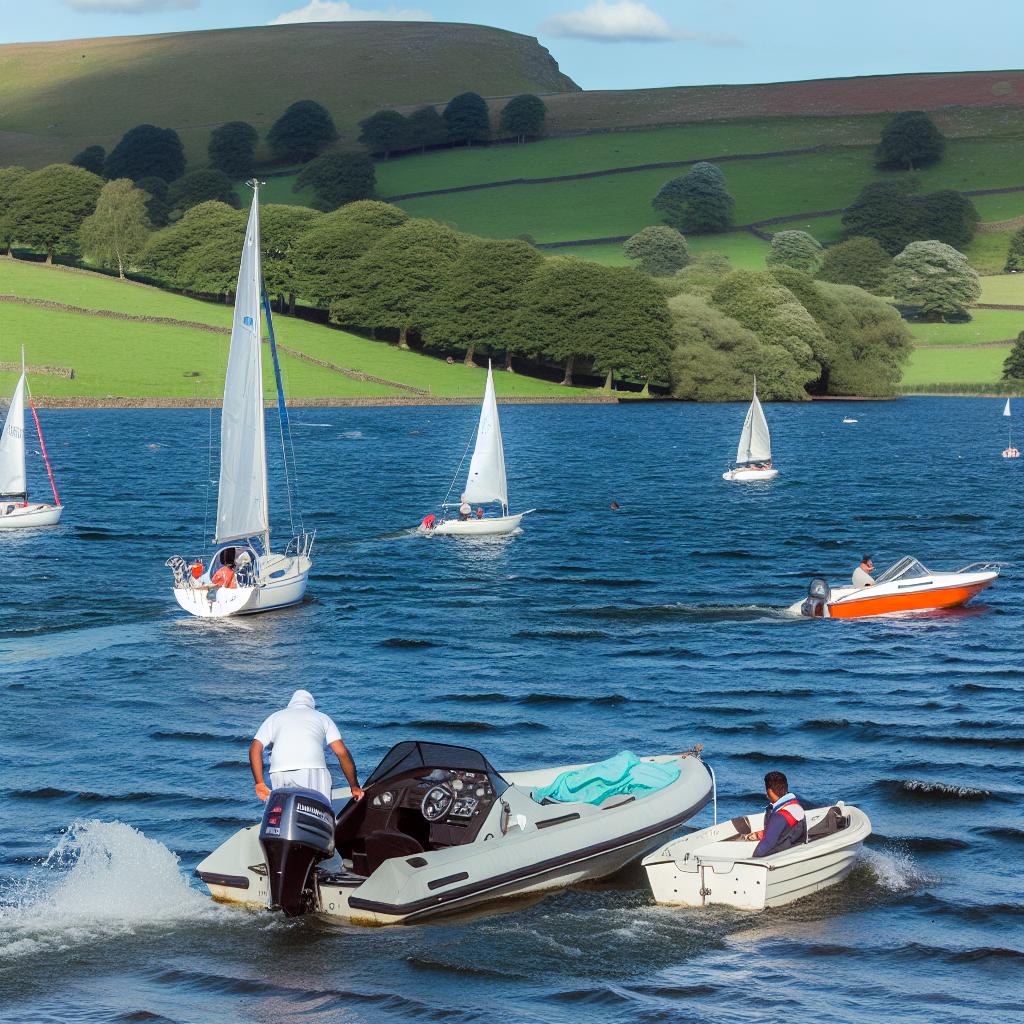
619,44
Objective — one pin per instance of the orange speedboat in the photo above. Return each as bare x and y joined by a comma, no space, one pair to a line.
906,586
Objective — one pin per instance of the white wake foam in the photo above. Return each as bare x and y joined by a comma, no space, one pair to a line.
895,872
103,879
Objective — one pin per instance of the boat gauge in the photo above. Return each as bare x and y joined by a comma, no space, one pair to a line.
457,784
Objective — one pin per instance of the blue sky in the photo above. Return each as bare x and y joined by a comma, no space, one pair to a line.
616,44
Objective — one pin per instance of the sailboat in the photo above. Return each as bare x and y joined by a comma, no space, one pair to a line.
16,512
245,575
1009,452
754,452
486,483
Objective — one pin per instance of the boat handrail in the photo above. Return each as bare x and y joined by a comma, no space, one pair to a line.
301,544
983,567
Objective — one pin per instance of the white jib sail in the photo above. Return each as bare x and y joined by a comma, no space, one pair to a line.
755,441
12,445
1006,408
486,481
242,496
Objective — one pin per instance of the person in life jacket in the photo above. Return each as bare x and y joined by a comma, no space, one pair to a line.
428,521
225,575
785,823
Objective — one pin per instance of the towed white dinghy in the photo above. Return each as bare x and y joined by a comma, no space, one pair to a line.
439,830
716,865
754,452
244,575
486,484
16,511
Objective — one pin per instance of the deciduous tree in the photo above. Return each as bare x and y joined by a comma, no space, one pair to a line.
303,131
167,253
281,227
910,141
92,158
796,249
232,149
523,117
201,187
386,132
858,261
936,278
468,118
147,151
156,205
116,233
696,202
51,205
1015,253
10,184
657,250
337,179
1013,365
427,128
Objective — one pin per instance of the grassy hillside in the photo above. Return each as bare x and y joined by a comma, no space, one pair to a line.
58,97
116,357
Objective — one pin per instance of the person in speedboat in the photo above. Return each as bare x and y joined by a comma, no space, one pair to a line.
297,736
785,824
862,574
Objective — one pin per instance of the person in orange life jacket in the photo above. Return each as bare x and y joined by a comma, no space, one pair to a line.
225,575
785,824
479,513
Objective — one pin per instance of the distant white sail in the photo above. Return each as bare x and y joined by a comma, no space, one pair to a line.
755,441
242,496
486,481
1006,408
12,445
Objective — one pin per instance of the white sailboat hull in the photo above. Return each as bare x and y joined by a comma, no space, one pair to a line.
282,583
493,527
24,517
743,476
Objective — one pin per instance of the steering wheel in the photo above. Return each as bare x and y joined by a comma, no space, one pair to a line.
437,802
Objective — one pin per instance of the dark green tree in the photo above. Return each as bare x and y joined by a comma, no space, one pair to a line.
468,118
281,227
948,216
166,252
232,149
303,131
910,141
658,250
115,234
10,185
337,179
523,117
427,128
92,158
796,249
858,261
697,202
884,211
1015,253
1013,366
936,278
477,301
201,187
146,151
156,205
50,206
386,132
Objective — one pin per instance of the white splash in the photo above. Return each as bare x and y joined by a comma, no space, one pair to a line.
895,872
104,878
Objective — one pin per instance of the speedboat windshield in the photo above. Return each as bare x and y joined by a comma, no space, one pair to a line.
906,568
410,754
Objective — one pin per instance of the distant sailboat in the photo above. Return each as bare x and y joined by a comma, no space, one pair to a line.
754,452
16,512
486,483
1009,452
244,575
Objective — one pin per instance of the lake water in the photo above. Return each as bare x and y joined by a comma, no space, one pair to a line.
126,723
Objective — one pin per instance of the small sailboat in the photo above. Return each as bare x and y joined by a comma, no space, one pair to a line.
1009,452
244,575
754,452
16,512
849,419
486,484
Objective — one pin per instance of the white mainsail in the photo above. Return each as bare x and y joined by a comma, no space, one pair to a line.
1006,408
12,445
755,441
242,496
486,481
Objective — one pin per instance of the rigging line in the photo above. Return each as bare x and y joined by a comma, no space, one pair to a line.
282,410
209,475
42,443
458,472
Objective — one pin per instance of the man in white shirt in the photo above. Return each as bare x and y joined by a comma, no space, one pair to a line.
862,574
297,736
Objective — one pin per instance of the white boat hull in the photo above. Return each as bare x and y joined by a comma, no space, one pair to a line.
282,583
743,476
24,517
495,526
713,867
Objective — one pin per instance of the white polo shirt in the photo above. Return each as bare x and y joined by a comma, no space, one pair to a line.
297,737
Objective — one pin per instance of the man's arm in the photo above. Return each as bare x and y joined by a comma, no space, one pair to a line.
773,830
348,766
256,764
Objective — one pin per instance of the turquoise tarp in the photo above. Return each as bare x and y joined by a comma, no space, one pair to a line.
623,773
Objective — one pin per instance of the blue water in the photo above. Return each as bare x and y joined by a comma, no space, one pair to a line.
655,627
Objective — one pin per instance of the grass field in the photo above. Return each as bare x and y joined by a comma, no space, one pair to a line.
126,358
954,366
1004,289
743,249
985,326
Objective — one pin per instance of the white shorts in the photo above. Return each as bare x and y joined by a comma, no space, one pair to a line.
318,779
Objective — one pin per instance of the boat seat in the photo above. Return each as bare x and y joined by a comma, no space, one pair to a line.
833,822
382,846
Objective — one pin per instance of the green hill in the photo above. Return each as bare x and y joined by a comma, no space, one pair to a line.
56,98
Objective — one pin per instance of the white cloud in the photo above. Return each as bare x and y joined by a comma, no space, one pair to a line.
340,10
614,21
129,6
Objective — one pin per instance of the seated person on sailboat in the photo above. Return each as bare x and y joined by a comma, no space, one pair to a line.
465,510
225,575
785,824
862,574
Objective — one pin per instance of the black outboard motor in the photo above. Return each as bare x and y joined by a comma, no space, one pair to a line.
297,832
818,594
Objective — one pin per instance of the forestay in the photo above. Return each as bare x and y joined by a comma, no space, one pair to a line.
755,441
12,445
242,496
486,481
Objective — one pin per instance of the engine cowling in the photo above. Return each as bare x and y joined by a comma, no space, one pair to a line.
816,602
